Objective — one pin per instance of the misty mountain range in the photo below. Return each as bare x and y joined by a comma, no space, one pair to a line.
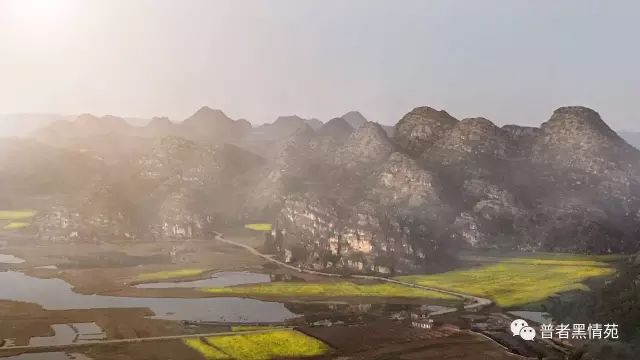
346,193
24,124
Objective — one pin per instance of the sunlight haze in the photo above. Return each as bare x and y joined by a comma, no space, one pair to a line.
512,62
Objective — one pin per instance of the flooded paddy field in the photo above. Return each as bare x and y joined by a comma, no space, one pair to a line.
73,293
70,334
23,321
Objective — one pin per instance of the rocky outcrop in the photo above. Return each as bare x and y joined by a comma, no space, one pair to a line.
477,137
106,216
392,226
570,185
176,219
322,236
402,183
58,224
520,140
357,199
421,128
367,146
577,138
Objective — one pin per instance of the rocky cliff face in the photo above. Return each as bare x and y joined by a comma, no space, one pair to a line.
422,127
476,137
576,137
322,235
571,185
179,189
401,182
367,146
358,200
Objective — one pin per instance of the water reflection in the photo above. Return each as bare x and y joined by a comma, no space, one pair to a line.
65,334
56,294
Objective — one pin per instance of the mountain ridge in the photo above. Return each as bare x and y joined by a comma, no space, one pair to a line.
392,203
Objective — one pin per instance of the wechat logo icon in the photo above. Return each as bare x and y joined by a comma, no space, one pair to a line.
521,328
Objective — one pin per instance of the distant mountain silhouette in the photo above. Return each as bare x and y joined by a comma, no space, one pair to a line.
354,118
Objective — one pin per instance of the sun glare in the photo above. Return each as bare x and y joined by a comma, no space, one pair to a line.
38,14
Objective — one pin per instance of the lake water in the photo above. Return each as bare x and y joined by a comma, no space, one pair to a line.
10,259
70,333
220,279
63,334
56,294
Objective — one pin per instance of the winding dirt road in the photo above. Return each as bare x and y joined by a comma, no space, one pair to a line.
475,301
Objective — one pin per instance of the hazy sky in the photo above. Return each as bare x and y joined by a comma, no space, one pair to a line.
509,61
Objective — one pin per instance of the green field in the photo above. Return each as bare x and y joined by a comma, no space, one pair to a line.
206,350
16,225
258,346
17,219
547,259
328,289
170,274
259,227
16,215
512,282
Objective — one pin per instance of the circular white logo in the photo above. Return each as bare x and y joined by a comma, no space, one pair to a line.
518,325
528,333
